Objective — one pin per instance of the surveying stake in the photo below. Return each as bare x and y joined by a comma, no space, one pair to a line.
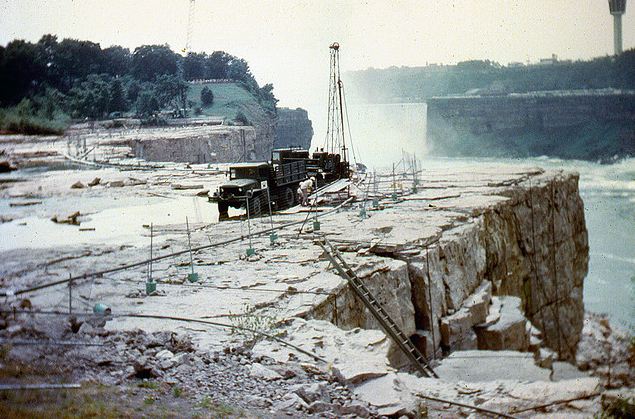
394,184
415,181
375,190
250,250
316,223
151,286
273,236
192,277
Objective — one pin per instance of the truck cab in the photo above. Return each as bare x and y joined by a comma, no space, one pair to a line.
246,186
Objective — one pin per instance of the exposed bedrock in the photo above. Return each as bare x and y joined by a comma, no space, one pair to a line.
389,281
203,145
582,124
442,273
293,128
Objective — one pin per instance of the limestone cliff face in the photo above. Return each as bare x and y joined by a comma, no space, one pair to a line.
588,125
215,144
202,145
516,247
537,249
533,246
293,128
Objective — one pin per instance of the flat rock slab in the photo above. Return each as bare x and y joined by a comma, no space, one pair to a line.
355,355
479,366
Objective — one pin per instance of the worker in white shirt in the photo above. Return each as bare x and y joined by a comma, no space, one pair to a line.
306,186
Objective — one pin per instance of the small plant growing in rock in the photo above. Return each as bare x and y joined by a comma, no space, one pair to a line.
251,325
152,385
206,402
177,391
4,352
618,409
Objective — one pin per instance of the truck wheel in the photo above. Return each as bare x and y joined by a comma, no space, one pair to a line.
255,209
223,208
288,198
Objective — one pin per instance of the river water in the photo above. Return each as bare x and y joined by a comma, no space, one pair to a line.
381,133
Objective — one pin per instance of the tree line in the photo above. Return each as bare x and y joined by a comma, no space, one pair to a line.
419,83
79,79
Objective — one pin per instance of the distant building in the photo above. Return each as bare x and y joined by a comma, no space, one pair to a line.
515,64
549,61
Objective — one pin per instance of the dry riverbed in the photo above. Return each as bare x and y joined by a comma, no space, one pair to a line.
159,355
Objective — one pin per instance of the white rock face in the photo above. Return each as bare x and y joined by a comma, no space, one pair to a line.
355,355
527,236
509,332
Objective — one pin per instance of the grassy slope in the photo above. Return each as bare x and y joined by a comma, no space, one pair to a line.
229,99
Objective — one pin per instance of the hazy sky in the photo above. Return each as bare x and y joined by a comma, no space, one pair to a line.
286,42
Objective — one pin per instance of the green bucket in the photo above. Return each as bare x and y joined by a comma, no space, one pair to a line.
102,309
251,251
273,237
151,287
316,225
193,277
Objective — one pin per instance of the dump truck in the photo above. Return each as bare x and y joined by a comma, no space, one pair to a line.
251,185
325,167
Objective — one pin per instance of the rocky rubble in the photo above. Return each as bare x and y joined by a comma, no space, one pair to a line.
607,352
234,376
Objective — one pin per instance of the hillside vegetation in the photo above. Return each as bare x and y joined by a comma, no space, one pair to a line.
230,101
416,84
48,83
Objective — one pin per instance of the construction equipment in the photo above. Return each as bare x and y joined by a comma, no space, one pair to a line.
324,166
417,359
258,184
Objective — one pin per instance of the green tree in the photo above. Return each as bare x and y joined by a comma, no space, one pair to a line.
171,91
267,98
147,104
242,118
217,63
117,96
207,96
49,103
133,88
21,70
91,98
116,60
152,61
194,66
75,59
238,69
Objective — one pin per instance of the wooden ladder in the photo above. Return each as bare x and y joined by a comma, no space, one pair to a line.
417,359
